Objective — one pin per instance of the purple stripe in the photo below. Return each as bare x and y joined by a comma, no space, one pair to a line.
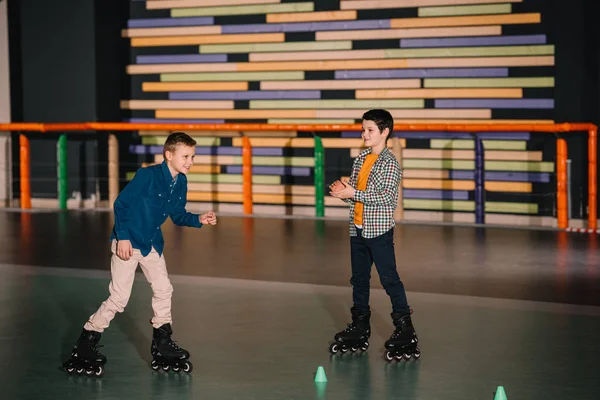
308,26
495,103
173,121
450,135
158,22
435,194
182,59
474,41
423,73
537,177
249,95
280,171
210,151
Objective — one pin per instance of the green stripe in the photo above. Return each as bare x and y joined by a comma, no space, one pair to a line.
200,141
512,208
527,166
438,164
488,82
471,51
274,47
463,205
279,121
233,76
242,10
335,104
449,205
470,144
465,10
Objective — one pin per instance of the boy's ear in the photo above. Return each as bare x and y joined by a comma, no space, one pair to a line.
168,155
386,132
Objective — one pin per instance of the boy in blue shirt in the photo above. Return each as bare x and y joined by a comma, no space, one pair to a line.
155,193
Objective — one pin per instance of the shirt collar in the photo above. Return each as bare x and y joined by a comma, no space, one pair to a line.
167,173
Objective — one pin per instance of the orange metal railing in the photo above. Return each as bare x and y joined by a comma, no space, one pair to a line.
562,211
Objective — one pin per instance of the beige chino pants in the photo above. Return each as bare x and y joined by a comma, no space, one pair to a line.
122,276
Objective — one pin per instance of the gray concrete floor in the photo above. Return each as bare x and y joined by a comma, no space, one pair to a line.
257,301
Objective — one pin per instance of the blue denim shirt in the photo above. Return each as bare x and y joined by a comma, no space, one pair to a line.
144,205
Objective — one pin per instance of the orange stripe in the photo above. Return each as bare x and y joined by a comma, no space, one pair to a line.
395,63
439,93
532,18
418,113
174,68
209,39
313,16
192,86
321,65
225,114
370,4
409,33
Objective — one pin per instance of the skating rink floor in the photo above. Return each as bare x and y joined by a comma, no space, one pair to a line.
257,302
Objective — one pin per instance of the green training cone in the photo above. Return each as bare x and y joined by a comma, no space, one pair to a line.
500,394
320,376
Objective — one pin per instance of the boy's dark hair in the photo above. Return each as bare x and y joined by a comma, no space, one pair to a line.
176,138
382,118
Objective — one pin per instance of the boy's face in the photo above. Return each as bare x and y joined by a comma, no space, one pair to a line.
371,134
182,159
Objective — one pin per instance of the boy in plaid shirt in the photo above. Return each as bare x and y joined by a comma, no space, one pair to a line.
372,193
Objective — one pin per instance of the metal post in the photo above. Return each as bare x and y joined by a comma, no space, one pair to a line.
62,171
569,204
319,178
479,181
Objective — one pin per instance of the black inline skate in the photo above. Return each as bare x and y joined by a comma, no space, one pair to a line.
355,336
403,342
166,354
85,357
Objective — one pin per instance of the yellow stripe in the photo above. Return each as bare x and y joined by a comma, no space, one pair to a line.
532,18
485,9
207,39
436,154
234,114
317,55
409,33
166,4
424,173
439,93
442,184
175,31
242,10
175,104
312,16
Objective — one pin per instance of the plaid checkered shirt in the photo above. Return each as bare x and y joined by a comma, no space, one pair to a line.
380,199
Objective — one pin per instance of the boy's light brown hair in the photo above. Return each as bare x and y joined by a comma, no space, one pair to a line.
176,138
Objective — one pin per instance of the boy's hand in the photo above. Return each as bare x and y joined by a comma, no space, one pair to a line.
336,186
208,218
124,250
345,192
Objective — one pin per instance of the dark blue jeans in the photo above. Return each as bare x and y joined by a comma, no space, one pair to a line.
378,250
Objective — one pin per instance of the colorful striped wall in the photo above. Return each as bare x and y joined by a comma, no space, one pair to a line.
279,61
